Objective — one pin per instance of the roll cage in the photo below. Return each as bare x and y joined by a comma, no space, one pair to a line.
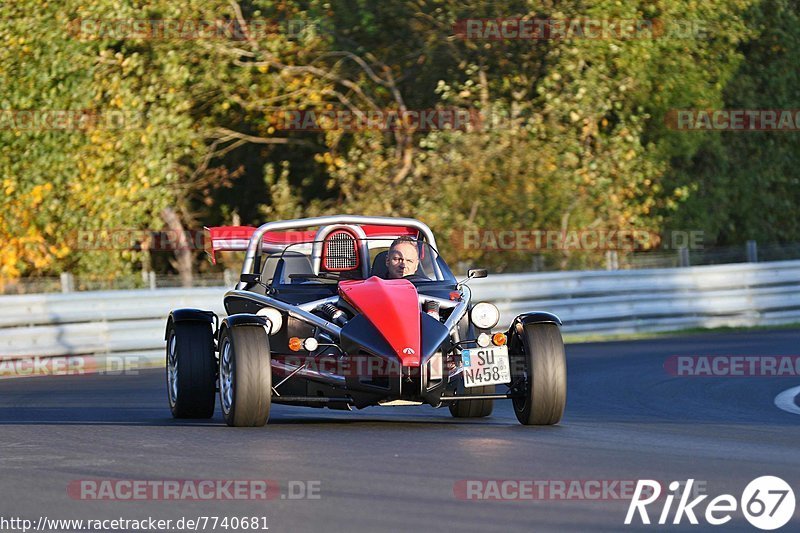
363,227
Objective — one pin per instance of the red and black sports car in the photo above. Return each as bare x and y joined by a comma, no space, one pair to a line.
353,311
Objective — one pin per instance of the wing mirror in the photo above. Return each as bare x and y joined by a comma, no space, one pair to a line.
250,278
475,273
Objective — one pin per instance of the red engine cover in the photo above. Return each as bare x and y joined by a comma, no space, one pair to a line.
393,307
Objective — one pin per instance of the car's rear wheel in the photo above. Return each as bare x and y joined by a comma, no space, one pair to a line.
191,370
544,374
245,376
474,408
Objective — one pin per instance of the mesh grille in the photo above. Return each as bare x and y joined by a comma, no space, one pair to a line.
341,252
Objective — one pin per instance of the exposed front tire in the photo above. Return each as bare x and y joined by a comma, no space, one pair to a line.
544,374
474,408
191,370
245,376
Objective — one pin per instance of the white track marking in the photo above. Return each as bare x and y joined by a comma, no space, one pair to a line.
785,400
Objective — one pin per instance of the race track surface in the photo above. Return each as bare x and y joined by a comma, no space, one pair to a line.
394,469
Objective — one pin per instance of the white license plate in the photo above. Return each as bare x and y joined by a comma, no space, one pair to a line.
486,366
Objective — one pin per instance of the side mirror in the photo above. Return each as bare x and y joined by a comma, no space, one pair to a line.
250,278
475,273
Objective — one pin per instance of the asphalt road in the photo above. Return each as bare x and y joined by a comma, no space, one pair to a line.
395,469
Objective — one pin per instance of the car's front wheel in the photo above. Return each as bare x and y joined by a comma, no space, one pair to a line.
543,379
245,376
191,370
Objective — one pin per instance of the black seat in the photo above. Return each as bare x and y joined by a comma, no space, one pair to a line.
292,263
379,265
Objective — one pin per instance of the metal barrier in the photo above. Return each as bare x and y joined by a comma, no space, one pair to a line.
596,302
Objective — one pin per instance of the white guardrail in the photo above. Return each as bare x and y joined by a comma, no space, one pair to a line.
595,302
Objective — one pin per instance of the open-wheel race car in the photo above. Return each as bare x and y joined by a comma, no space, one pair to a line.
350,312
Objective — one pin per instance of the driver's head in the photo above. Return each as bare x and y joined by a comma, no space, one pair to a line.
402,259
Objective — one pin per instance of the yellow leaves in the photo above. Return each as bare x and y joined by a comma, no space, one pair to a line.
29,248
681,193
8,261
263,69
59,252
38,193
226,105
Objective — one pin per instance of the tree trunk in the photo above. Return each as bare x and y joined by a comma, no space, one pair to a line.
183,251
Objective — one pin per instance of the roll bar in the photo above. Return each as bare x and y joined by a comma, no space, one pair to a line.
283,225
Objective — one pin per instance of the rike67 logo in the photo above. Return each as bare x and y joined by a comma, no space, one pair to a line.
767,503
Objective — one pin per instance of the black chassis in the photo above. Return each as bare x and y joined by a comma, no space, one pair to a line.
295,385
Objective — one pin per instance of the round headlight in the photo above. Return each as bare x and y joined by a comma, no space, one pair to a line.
485,315
275,318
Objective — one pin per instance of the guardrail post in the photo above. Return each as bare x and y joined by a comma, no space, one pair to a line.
612,260
152,279
683,257
67,282
752,252
227,278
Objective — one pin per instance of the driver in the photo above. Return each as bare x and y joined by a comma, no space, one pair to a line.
402,260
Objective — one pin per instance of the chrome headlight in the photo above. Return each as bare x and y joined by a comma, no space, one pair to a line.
485,315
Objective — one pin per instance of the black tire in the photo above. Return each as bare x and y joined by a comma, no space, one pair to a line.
474,408
191,374
248,366
544,366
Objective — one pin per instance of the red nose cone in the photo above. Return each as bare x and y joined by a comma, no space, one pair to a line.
393,307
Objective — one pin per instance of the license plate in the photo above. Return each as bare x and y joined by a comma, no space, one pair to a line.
486,366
